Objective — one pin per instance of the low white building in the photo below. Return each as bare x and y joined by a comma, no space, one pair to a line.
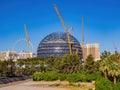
6,55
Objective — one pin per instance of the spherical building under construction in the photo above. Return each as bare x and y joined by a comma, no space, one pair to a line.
56,44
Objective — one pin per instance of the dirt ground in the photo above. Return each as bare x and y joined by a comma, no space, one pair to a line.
46,85
30,85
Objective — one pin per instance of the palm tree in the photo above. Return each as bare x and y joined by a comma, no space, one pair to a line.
114,70
104,65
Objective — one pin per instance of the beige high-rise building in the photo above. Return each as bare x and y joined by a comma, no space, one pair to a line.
92,49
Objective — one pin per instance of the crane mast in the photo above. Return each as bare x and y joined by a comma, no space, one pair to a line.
67,31
83,55
27,40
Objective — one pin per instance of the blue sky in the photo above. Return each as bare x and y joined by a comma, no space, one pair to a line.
102,21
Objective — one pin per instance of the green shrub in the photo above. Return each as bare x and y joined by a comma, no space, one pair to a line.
97,75
117,86
38,76
93,77
62,77
72,78
76,77
83,77
48,76
51,76
104,84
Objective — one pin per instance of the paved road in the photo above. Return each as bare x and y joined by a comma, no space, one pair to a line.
29,85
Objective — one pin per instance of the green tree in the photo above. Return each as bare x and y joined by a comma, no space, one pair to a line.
104,55
115,57
66,64
97,65
110,67
20,62
4,67
50,63
114,70
0,68
90,64
42,66
11,67
19,71
70,64
104,65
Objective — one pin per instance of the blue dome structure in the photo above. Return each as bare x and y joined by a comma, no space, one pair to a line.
56,44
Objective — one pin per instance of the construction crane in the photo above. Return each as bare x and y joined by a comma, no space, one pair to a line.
83,55
67,31
27,41
77,50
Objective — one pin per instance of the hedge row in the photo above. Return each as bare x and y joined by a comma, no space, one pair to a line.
75,77
48,76
101,82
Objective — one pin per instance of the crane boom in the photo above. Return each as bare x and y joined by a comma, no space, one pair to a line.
61,19
82,29
27,40
67,31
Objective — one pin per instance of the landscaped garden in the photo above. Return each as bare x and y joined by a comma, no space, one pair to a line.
103,74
